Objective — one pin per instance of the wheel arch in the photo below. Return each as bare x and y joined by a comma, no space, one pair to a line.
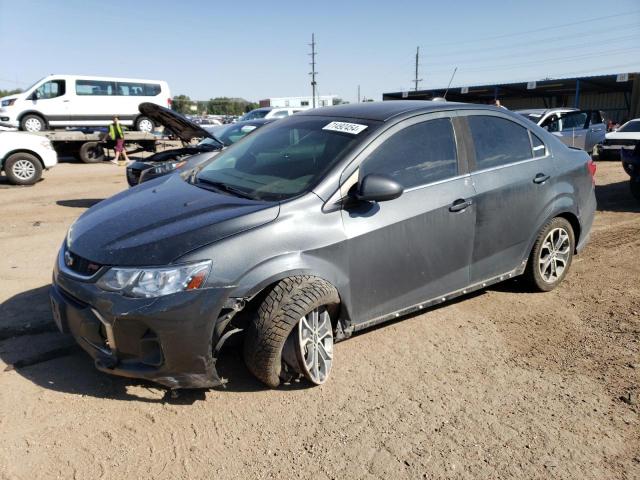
32,112
22,150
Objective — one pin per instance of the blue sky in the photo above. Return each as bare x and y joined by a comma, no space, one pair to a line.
258,49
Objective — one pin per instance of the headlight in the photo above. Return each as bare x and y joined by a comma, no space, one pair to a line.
155,282
167,167
8,103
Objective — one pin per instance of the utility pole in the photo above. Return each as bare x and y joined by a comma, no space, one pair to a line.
313,69
417,80
358,93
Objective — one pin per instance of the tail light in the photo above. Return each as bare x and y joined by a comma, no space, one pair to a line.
169,102
591,167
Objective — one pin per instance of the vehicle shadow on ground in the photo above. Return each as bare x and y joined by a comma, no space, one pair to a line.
616,197
31,346
79,203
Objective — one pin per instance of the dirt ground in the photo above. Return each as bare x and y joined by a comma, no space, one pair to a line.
500,384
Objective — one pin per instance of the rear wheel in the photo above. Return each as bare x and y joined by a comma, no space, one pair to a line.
33,123
91,152
144,124
292,331
551,256
23,169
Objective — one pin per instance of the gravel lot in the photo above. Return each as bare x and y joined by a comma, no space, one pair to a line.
500,384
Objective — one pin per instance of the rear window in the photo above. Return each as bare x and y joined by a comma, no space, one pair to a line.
498,141
633,126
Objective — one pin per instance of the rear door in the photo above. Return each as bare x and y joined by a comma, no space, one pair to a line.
597,130
513,174
418,246
95,102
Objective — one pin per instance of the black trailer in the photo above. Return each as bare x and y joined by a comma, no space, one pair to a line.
90,147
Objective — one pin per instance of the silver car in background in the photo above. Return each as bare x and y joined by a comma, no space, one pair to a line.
582,129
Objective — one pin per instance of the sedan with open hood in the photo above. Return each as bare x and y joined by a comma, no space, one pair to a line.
315,227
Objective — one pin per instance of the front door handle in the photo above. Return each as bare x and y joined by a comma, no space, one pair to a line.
541,178
460,205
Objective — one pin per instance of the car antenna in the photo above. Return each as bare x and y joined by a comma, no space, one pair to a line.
450,80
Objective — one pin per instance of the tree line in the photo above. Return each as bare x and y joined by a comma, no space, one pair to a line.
214,106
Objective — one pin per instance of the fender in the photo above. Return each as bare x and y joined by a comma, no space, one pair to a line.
32,112
21,150
291,264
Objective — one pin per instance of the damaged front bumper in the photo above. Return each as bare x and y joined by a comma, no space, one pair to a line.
169,340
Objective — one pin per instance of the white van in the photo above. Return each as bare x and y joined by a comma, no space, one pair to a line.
82,101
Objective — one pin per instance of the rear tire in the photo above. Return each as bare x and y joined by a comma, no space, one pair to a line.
91,152
144,124
279,313
33,123
23,169
551,255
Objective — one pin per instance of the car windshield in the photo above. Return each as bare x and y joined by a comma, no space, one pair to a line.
534,117
632,126
229,134
255,114
283,159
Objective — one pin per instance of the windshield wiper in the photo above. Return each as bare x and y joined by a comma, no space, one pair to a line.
224,187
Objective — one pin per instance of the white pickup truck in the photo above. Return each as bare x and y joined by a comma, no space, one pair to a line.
23,156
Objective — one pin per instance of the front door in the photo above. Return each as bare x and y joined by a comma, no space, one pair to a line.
52,100
417,247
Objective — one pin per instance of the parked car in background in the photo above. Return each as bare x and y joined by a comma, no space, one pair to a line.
631,164
582,129
270,112
627,137
23,157
181,128
213,138
82,101
227,134
315,227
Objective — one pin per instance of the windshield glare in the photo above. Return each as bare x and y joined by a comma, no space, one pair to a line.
630,127
283,159
229,134
255,114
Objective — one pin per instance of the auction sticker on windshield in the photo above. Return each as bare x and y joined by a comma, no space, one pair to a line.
344,127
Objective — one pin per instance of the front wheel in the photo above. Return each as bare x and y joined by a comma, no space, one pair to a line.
32,123
551,256
23,169
293,331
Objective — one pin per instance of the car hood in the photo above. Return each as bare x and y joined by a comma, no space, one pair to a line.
160,221
184,129
623,136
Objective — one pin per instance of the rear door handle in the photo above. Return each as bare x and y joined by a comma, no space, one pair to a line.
459,205
541,178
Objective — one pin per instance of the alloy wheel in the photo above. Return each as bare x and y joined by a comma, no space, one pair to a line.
24,169
554,255
315,345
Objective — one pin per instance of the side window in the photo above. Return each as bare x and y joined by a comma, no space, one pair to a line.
151,89
596,117
498,141
95,87
574,120
52,89
416,155
130,89
539,150
281,114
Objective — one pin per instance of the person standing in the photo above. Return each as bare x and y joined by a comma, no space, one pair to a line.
116,134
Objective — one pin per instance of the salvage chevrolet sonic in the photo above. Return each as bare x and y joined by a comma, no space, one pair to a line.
313,228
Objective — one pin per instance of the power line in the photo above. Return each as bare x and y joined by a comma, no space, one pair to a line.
543,29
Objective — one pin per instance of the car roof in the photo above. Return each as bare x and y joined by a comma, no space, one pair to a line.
383,111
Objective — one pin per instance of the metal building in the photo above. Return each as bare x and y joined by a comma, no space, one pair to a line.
618,95
299,102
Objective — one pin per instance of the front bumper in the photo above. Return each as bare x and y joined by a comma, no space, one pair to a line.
167,340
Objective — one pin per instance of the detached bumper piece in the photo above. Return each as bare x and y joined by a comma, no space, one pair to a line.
175,357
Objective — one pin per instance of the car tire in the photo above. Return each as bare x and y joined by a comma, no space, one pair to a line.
91,152
23,169
634,185
144,124
33,123
551,255
278,316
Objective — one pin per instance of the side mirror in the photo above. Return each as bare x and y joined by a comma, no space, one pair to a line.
34,95
376,188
